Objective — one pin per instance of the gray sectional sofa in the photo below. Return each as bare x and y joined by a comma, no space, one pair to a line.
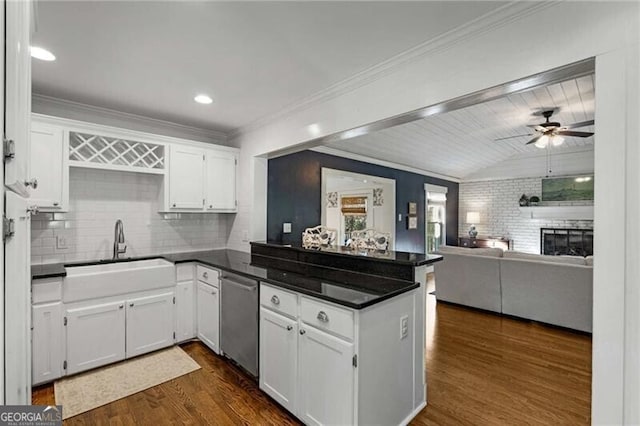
551,289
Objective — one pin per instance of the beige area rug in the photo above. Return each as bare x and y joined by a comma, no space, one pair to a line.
93,389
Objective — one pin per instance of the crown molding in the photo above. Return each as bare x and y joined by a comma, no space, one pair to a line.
371,160
73,110
500,17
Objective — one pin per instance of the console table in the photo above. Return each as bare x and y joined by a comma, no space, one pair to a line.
484,242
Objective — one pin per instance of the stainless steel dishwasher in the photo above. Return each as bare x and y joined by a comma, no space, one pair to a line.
239,319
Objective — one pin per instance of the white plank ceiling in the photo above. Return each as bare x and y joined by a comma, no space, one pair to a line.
459,143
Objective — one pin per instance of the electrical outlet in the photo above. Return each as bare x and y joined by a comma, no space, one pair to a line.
286,228
61,242
404,327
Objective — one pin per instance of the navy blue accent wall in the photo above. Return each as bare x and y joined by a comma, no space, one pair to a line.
294,195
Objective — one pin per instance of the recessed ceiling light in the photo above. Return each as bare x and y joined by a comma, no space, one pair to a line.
203,99
42,54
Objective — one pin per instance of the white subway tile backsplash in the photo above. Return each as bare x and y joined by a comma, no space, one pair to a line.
98,198
497,203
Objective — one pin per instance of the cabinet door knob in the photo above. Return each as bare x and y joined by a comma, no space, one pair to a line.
275,300
322,316
121,306
174,204
205,275
302,332
210,206
289,327
214,292
55,203
131,305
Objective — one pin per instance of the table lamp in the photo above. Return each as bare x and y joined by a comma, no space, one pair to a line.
472,218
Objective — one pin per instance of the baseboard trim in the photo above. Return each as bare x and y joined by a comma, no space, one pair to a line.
413,414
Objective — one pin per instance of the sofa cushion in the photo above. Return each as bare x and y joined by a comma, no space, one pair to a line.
588,260
571,260
489,252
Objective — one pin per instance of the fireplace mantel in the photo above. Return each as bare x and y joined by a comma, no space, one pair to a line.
558,212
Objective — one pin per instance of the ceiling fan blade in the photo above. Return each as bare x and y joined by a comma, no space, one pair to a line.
572,133
511,137
580,124
534,140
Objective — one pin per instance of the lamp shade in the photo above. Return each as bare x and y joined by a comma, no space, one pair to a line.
473,217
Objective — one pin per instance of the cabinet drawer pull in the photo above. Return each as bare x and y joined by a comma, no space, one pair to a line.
322,316
275,300
205,275
289,327
302,332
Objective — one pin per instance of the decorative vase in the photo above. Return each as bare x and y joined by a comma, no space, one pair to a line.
473,232
524,201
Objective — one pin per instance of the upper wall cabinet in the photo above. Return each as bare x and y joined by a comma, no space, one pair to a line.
197,177
17,97
49,164
201,180
221,181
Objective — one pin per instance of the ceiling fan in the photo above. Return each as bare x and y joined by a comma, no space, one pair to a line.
552,132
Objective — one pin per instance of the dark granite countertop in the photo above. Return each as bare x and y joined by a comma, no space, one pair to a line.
398,257
351,289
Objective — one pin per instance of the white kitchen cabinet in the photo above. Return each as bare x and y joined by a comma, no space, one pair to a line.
279,357
200,180
95,335
186,178
326,374
50,166
17,108
330,371
47,342
185,311
209,316
221,181
150,323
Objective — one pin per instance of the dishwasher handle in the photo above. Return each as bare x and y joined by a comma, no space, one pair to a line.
251,287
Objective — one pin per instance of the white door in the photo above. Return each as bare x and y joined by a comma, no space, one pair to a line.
46,337
209,316
279,357
326,378
185,311
95,336
150,324
18,93
17,298
221,180
186,178
48,162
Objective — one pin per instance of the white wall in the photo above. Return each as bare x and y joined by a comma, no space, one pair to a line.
497,203
98,198
532,39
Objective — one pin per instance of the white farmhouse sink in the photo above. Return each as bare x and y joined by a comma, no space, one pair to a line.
110,279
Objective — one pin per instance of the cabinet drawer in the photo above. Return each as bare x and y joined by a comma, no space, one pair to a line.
327,317
46,290
184,272
279,300
207,275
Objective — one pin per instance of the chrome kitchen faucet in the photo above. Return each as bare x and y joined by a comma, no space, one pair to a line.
119,247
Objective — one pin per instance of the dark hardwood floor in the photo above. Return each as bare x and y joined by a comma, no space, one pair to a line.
482,369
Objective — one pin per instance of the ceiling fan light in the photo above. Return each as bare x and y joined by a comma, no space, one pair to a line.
557,140
542,142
